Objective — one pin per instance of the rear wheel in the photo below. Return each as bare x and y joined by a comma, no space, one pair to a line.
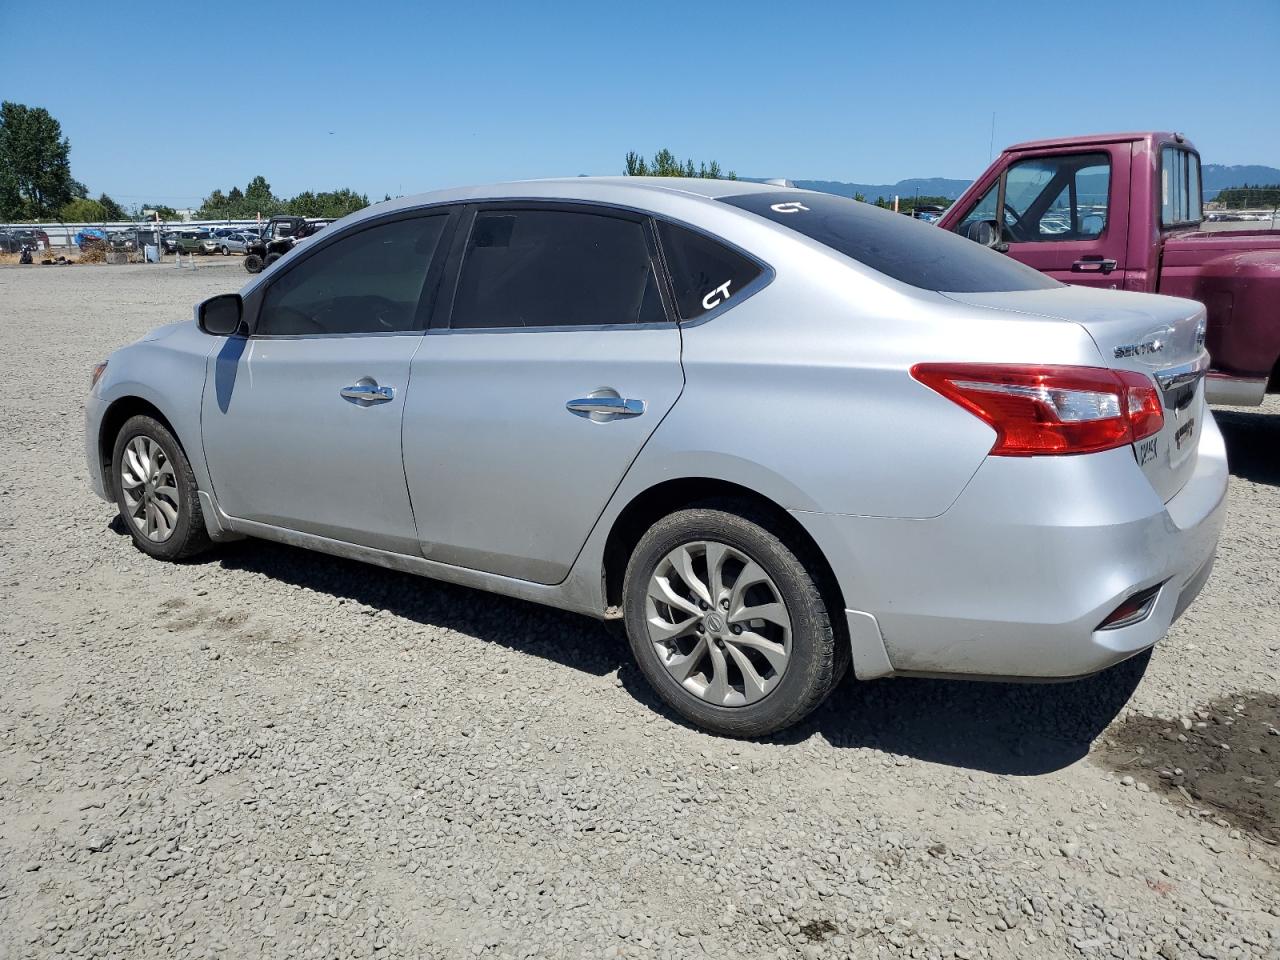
253,263
156,491
272,258
727,623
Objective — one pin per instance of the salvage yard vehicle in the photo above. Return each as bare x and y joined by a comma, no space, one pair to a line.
278,238
1123,211
230,243
773,431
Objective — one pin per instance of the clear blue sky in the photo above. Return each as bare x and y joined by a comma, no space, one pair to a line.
390,97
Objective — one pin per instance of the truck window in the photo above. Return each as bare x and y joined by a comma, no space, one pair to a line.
1180,190
1049,199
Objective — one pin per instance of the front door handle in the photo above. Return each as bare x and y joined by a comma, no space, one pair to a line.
605,407
366,391
1093,265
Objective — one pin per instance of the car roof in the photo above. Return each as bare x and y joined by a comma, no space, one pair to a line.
640,192
1092,139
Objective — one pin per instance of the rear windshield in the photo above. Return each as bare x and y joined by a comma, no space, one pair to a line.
901,247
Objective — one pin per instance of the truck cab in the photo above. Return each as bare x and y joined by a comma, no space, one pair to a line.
1124,212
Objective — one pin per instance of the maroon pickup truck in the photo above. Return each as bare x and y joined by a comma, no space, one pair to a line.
1124,211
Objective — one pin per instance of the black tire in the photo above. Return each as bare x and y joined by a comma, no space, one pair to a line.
226,252
272,258
189,535
253,263
817,659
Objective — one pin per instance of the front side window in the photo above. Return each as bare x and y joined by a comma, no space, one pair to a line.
1180,190
704,273
908,250
367,282
555,268
1047,199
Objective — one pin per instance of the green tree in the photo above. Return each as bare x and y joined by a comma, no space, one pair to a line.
165,211
83,210
111,210
35,165
666,164
860,197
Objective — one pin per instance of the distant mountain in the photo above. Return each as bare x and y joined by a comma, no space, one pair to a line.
925,187
1216,177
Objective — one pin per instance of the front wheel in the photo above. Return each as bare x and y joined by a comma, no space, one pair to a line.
253,263
226,252
727,622
156,491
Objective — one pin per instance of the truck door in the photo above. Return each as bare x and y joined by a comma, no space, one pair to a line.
1057,214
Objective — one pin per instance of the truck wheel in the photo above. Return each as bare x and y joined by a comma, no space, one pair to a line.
253,263
273,257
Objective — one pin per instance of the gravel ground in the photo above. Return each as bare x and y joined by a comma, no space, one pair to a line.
273,753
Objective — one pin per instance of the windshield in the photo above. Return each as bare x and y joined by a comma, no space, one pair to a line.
898,246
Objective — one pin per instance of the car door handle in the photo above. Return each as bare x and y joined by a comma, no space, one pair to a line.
605,408
1093,265
367,392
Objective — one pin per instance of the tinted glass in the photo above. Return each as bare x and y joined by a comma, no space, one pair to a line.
551,268
368,282
898,246
704,273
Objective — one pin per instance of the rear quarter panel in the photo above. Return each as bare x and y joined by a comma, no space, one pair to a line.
803,391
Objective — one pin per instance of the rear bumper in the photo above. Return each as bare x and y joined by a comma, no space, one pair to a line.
1015,578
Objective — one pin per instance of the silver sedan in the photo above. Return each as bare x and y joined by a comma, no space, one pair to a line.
774,432
232,243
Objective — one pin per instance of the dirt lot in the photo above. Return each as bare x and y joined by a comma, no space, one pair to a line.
273,753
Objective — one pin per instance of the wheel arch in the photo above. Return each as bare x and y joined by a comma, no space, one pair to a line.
668,496
115,417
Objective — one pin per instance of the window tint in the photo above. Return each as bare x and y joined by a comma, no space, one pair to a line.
906,249
704,273
1180,190
368,282
552,268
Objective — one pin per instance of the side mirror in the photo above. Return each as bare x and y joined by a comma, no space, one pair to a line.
220,316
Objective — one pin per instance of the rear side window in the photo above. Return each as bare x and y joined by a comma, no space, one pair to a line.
1179,187
906,249
368,282
704,273
553,268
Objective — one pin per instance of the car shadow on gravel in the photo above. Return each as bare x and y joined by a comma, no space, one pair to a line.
566,638
1253,444
1020,729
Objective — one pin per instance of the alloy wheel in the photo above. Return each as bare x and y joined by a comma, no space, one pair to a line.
718,623
150,489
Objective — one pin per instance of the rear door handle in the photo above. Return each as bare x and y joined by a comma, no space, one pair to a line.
1094,265
605,408
367,392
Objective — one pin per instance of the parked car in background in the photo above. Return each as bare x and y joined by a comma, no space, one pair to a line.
10,242
233,243
36,239
1123,212
637,404
197,241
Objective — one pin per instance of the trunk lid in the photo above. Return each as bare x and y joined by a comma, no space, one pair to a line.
1161,337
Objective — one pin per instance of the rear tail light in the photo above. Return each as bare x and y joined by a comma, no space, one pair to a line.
1050,410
